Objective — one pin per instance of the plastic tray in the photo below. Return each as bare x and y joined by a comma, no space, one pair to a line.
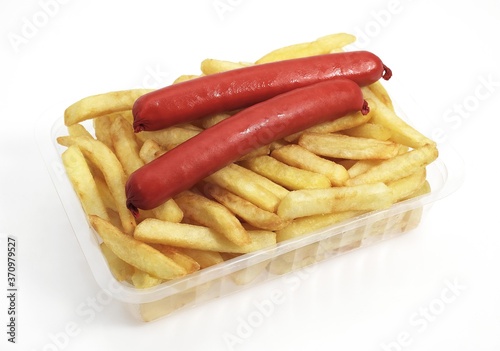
444,175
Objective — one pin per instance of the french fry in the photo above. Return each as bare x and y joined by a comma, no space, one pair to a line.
150,150
404,187
248,274
244,209
308,202
78,130
297,156
185,77
397,167
102,129
212,215
83,182
304,225
125,145
202,257
261,151
343,146
120,269
168,211
212,120
266,183
402,132
361,166
169,137
106,196
424,189
100,155
101,105
185,261
289,177
136,253
348,121
143,280
198,237
323,45
211,66
370,131
381,93
234,179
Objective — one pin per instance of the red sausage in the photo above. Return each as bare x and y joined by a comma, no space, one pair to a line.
185,165
235,89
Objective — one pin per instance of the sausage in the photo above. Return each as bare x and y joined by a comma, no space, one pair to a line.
243,87
258,125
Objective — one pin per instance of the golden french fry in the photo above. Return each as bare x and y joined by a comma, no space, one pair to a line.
169,137
289,177
185,261
102,129
424,189
78,130
344,146
135,252
381,93
370,131
168,211
244,209
101,105
348,121
304,225
150,150
204,258
120,269
143,280
404,187
248,274
198,237
212,120
111,168
297,156
125,145
185,77
323,45
397,167
308,202
402,132
361,166
261,151
106,196
212,215
211,66
239,182
266,183
83,182
102,126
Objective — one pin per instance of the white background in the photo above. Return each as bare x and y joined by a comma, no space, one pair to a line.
447,57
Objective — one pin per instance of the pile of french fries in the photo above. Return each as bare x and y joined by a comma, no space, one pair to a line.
329,173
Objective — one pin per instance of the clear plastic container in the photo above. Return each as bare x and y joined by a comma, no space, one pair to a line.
444,175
